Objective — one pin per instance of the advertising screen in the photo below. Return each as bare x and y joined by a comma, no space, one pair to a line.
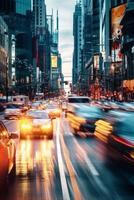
117,14
96,61
54,61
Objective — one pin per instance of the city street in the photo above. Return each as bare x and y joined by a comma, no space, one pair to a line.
66,167
66,100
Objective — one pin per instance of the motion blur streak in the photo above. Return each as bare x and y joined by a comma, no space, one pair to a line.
87,160
82,154
71,170
65,191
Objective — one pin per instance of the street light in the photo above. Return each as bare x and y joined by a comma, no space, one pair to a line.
7,81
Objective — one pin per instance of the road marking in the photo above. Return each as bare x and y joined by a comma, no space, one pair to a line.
71,170
83,154
91,166
65,191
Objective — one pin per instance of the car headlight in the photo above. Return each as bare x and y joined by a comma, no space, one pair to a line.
26,126
46,126
58,111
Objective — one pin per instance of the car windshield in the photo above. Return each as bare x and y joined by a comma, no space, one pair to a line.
86,111
37,115
14,106
78,100
51,106
125,126
35,104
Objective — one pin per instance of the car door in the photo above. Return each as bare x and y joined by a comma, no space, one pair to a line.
4,161
9,145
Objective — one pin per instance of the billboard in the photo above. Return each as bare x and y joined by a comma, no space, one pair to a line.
117,14
54,61
96,61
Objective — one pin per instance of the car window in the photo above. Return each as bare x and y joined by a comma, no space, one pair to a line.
38,115
51,106
92,114
78,100
125,126
13,106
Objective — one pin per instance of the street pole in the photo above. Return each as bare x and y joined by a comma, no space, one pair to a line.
7,82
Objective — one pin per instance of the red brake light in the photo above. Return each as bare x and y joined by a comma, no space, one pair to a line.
124,141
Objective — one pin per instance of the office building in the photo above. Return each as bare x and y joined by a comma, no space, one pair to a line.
4,56
77,33
7,6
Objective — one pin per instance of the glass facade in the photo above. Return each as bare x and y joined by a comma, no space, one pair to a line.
7,6
22,6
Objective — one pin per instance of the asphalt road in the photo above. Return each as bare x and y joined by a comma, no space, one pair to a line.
67,168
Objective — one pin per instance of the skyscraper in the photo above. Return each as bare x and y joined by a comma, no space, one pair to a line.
77,33
39,15
22,6
7,6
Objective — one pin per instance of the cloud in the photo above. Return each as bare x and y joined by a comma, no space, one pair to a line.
67,60
66,9
66,46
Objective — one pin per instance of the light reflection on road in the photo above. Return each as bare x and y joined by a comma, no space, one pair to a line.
32,156
34,170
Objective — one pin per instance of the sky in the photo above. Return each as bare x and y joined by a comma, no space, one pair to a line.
66,9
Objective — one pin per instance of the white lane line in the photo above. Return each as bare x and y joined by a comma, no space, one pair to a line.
83,154
65,191
91,166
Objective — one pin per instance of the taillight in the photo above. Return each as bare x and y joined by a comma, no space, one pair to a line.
124,141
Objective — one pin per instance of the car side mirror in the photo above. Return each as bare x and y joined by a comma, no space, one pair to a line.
13,136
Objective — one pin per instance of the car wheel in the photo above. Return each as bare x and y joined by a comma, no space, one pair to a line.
13,170
13,173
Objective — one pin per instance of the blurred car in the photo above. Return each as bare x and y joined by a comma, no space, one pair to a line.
78,99
74,100
7,153
53,110
2,107
13,111
36,123
118,133
64,105
35,105
83,118
128,106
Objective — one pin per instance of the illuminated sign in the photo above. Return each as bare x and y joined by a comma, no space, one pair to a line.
54,61
117,14
96,61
